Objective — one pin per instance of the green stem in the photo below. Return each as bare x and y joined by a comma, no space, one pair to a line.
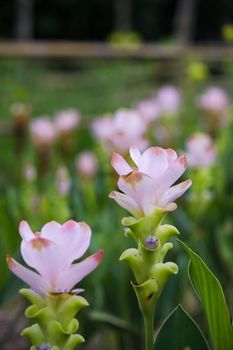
149,331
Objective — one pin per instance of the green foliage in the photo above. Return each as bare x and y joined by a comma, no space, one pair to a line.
210,293
179,331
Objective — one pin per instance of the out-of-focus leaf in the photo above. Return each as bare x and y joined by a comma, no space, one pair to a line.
179,331
210,293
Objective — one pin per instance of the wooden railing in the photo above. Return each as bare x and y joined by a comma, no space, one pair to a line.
64,49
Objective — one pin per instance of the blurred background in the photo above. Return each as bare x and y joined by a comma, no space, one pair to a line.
81,79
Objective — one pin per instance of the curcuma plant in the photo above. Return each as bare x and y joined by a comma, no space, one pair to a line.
51,253
148,195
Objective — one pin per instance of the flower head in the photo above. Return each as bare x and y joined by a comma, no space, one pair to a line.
66,121
168,99
42,131
51,253
148,184
126,127
214,99
200,150
149,109
86,164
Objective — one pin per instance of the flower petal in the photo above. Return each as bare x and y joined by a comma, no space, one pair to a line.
174,192
135,154
46,257
172,174
140,187
34,280
125,202
25,231
76,272
73,237
120,165
153,162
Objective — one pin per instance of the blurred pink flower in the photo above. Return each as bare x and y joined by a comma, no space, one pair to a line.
42,131
200,150
66,121
51,253
214,99
63,180
86,164
168,99
126,127
147,185
149,109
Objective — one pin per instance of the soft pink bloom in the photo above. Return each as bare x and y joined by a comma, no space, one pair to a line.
214,99
149,109
168,99
200,150
29,171
66,121
51,253
63,180
86,164
147,184
126,127
42,131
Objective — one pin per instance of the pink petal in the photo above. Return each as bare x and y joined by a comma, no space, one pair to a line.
31,278
135,154
171,154
51,231
76,238
120,165
174,192
138,186
172,174
46,257
125,202
25,231
153,162
76,272
73,237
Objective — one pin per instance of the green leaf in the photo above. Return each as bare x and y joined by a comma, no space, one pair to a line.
179,331
210,293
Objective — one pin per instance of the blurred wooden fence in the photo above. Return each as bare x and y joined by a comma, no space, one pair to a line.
59,49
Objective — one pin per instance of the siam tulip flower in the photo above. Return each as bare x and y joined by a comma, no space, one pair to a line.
63,180
149,109
124,128
86,164
201,152
43,132
51,253
66,121
168,99
214,99
29,172
147,184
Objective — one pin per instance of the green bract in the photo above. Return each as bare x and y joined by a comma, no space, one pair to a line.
53,315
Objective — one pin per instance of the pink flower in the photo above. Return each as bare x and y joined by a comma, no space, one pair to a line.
66,121
42,131
149,109
63,180
147,184
200,151
214,99
51,253
126,127
86,164
168,99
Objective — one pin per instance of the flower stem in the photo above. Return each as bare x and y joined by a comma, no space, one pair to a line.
149,331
